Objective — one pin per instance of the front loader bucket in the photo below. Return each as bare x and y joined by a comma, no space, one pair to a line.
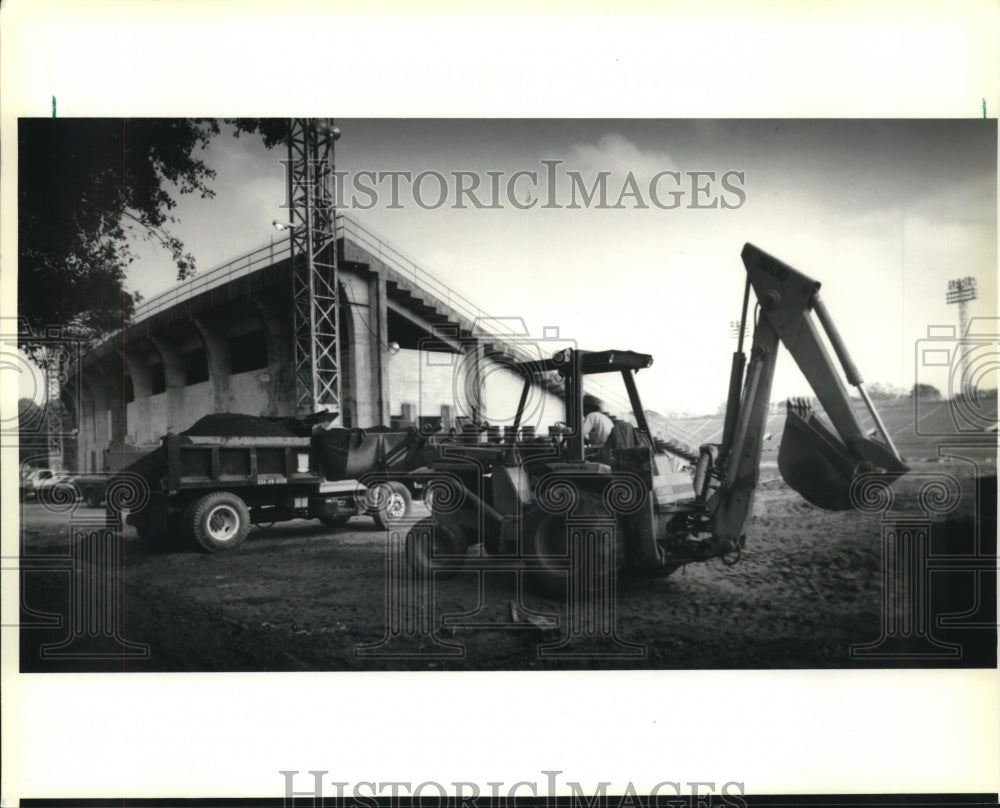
815,463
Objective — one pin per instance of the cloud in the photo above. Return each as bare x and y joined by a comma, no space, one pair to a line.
618,155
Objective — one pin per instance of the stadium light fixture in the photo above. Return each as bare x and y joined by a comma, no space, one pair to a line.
961,291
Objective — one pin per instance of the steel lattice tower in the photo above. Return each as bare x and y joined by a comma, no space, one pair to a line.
315,279
54,375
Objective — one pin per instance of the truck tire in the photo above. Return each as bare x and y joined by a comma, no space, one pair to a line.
445,553
219,521
405,495
392,503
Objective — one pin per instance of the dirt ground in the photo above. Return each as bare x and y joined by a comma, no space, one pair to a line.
810,586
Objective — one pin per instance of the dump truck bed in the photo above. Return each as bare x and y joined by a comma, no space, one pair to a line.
205,461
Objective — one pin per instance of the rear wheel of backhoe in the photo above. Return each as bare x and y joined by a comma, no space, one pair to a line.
220,521
547,546
436,544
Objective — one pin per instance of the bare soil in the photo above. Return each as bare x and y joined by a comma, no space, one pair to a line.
301,596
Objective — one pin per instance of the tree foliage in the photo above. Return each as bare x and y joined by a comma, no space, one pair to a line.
272,131
85,186
925,392
886,392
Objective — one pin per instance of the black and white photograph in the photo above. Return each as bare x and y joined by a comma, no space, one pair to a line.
302,394
580,420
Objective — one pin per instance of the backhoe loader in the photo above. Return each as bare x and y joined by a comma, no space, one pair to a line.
520,499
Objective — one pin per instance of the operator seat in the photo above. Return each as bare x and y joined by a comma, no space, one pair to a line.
623,436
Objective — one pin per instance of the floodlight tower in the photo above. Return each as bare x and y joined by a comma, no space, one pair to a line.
315,279
961,291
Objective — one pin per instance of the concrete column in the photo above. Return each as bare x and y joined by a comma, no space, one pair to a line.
475,381
378,345
447,418
119,406
111,431
357,373
173,372
142,388
220,366
93,422
280,362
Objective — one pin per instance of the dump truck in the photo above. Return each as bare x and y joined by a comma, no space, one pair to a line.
212,488
518,499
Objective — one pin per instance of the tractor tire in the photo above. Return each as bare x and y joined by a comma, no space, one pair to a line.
444,554
442,492
392,503
219,521
545,546
545,543
91,497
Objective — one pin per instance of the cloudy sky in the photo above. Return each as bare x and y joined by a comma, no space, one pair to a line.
883,213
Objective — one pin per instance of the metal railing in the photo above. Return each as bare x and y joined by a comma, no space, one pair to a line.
348,227
400,262
251,262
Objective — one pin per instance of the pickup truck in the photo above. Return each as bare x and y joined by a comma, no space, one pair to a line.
35,483
91,487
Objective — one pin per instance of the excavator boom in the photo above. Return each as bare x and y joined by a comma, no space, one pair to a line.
817,462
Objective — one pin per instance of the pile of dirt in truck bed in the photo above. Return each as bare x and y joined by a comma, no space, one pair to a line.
221,424
234,425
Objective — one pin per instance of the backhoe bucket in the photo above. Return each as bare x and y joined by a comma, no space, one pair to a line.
815,463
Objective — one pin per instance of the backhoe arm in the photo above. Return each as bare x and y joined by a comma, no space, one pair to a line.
818,463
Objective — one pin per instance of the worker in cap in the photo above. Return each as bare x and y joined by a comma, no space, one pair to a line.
597,424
